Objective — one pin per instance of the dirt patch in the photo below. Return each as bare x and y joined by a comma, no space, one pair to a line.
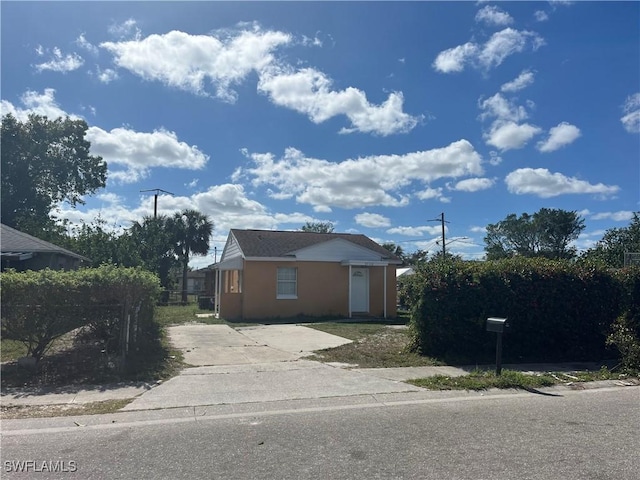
389,346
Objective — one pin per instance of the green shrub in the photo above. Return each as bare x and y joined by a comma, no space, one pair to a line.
556,310
625,331
40,306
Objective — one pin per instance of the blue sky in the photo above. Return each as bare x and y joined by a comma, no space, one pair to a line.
375,116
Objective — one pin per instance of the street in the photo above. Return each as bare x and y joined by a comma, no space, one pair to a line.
590,434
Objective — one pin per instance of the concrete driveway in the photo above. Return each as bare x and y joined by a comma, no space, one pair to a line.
205,345
257,364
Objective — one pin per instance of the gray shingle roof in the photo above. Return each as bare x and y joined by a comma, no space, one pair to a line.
12,240
273,243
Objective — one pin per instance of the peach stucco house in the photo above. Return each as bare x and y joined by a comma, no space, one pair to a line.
266,274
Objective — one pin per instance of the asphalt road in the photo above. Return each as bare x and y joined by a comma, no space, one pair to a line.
579,435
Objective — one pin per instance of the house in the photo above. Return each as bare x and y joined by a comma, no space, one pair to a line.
25,252
265,274
195,281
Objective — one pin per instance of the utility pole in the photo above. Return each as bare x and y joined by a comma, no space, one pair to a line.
442,222
155,199
443,244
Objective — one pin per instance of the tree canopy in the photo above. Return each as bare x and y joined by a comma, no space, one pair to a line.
318,227
191,232
155,246
615,243
547,233
45,162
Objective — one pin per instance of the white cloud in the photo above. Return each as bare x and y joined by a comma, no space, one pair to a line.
523,80
372,220
500,108
494,158
415,231
139,151
478,229
38,103
631,108
621,216
454,59
544,184
362,182
107,75
187,62
541,16
61,63
126,30
432,194
559,136
82,42
308,91
488,55
510,136
195,63
494,16
474,184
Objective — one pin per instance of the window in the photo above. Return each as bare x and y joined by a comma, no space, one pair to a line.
287,283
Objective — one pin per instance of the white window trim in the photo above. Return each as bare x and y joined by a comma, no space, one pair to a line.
281,296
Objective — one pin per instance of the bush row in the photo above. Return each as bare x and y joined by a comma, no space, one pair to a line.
40,306
556,310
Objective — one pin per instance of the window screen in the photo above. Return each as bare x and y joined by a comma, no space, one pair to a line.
287,282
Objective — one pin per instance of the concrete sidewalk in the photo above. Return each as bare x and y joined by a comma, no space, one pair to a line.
70,395
236,384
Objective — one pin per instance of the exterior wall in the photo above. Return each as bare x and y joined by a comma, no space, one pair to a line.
40,261
323,289
230,306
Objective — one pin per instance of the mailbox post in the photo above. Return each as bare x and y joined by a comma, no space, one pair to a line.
497,325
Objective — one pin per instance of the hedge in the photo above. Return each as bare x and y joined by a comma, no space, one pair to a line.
556,310
40,306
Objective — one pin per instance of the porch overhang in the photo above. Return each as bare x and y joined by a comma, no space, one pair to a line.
364,263
235,263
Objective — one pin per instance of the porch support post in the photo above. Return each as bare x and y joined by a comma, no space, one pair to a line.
218,291
350,314
384,288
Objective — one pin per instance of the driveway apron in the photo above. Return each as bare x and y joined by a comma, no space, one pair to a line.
257,364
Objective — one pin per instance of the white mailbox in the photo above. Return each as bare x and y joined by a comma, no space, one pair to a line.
495,324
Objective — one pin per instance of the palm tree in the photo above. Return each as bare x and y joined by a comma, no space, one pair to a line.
192,231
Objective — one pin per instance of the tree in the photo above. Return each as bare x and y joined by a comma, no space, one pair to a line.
103,245
416,258
546,233
394,249
318,227
615,242
45,162
191,232
154,242
556,230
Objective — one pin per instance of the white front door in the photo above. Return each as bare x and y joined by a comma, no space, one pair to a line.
359,289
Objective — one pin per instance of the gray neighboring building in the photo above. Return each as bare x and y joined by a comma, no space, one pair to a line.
26,252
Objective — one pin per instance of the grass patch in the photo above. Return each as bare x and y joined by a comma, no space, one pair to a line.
374,345
483,380
180,314
42,411
353,331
